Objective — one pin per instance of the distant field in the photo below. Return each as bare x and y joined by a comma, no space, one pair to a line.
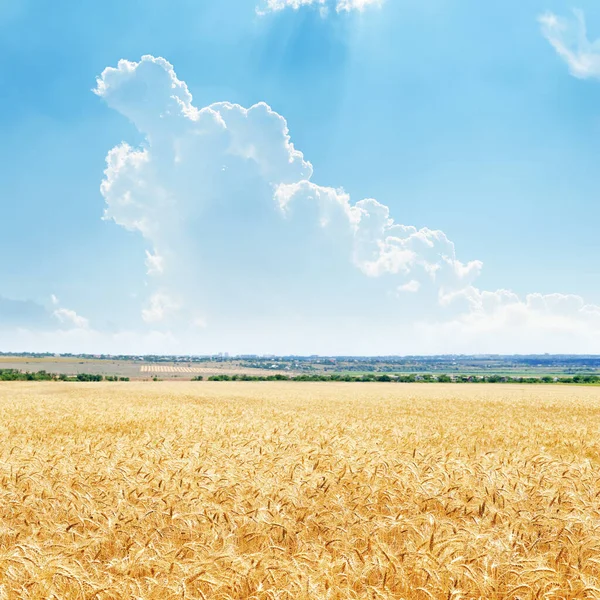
178,368
133,369
170,369
474,372
304,491
72,366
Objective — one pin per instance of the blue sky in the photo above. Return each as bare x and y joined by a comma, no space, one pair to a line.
478,121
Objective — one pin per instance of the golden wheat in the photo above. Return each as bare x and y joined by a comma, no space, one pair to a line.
298,491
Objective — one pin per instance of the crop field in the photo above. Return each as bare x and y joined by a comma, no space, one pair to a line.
134,369
170,369
298,491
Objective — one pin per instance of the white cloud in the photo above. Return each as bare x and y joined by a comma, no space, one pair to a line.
360,5
226,203
500,321
29,315
160,306
570,40
380,245
412,287
154,263
71,318
215,164
67,316
323,5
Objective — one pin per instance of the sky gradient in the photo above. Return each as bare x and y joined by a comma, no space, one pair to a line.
297,176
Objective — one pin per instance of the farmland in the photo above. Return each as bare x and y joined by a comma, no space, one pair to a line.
131,368
181,368
271,490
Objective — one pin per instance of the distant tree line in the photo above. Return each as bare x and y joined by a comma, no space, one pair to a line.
412,378
16,375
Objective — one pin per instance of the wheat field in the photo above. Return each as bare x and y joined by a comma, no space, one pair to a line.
298,491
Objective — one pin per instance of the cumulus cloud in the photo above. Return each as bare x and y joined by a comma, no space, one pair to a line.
230,215
71,318
500,321
322,5
193,161
224,162
569,38
379,244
